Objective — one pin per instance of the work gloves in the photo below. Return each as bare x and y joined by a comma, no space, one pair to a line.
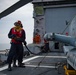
12,36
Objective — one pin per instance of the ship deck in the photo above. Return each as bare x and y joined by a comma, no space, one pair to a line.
44,64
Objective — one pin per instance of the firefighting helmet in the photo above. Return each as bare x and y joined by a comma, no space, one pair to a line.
18,23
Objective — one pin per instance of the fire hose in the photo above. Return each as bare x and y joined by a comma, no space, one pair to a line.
31,51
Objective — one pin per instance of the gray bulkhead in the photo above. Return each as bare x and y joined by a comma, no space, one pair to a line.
55,18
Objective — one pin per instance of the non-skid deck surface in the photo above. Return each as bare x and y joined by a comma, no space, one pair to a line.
45,64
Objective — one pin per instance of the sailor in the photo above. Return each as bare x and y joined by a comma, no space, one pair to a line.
46,45
37,39
15,57
17,36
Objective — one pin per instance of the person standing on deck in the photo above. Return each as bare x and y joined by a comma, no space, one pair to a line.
37,39
16,58
17,36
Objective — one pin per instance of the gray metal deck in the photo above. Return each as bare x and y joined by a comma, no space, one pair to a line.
45,64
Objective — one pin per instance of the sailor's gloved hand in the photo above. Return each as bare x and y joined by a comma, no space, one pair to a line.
18,39
25,43
12,36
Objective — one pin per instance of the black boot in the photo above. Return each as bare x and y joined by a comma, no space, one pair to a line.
14,65
9,67
21,65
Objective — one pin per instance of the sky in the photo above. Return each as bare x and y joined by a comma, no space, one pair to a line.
24,14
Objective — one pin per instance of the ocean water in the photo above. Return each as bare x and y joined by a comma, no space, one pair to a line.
4,46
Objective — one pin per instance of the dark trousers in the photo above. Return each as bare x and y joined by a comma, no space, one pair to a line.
16,51
46,47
